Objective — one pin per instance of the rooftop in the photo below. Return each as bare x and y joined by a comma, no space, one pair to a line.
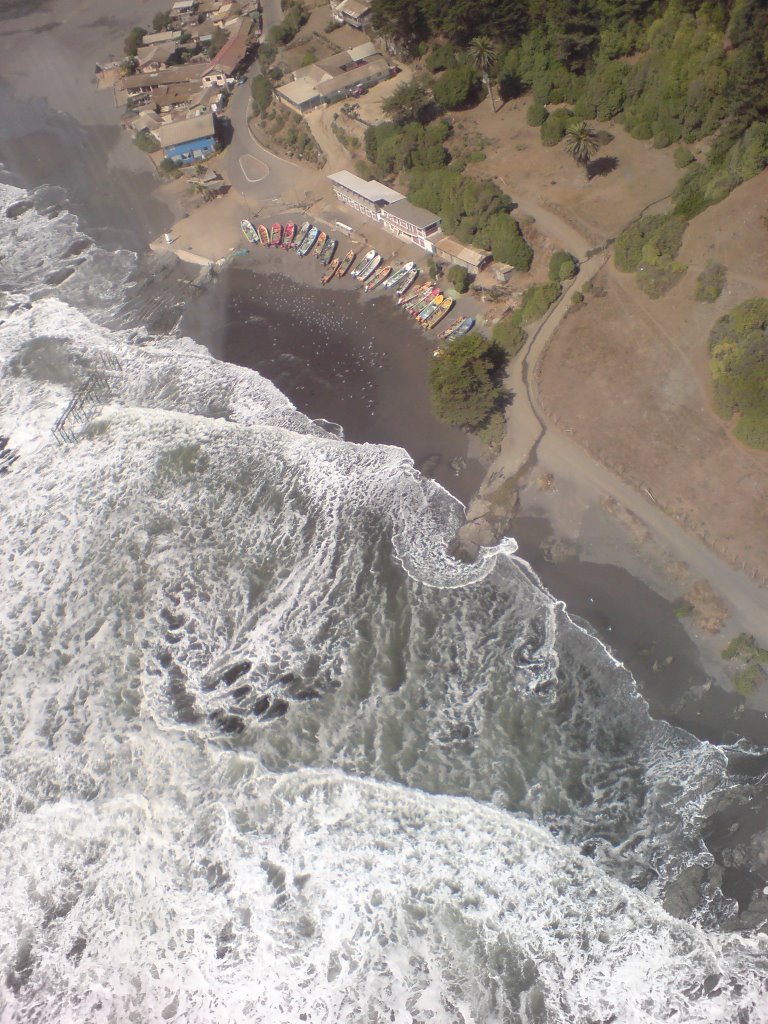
415,215
349,79
373,191
179,132
466,253
298,92
234,50
171,76
354,8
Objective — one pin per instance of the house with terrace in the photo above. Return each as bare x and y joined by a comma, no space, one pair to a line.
188,141
334,78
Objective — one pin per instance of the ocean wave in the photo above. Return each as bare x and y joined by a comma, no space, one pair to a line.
264,738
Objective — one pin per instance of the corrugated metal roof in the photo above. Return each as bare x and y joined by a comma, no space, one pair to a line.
299,91
373,191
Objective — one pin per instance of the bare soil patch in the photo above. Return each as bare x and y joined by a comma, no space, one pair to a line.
628,378
601,207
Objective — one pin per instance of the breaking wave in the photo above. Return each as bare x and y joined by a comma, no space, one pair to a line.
269,753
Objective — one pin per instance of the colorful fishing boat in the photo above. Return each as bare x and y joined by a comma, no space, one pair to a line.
326,254
346,263
422,300
419,295
404,299
250,232
335,264
277,234
309,242
322,238
428,309
290,231
263,235
370,268
362,266
399,275
442,310
378,278
301,234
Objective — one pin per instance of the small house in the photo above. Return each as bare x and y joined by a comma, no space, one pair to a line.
190,140
356,13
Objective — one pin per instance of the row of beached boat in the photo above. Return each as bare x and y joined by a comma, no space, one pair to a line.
428,305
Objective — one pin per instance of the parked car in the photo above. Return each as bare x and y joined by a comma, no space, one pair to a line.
361,90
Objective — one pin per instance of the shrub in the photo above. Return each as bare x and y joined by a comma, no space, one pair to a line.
454,89
562,266
459,279
161,22
537,115
710,282
133,41
683,157
463,381
440,58
577,298
553,129
657,279
146,143
537,300
167,166
261,92
508,334
738,347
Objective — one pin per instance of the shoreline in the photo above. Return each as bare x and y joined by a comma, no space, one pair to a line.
131,210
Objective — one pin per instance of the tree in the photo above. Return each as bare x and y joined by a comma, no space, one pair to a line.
455,86
133,41
462,381
408,102
508,244
459,279
161,22
482,53
582,144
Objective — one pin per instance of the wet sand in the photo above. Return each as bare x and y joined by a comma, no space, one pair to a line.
339,355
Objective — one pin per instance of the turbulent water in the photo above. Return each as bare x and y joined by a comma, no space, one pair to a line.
269,754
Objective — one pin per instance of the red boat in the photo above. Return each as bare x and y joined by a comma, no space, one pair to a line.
290,231
277,234
263,235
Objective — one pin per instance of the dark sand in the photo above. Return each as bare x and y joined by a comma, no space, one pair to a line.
354,360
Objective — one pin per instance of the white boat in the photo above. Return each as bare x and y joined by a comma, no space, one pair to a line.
370,268
399,275
364,263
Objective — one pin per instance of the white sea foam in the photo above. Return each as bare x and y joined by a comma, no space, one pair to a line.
402,844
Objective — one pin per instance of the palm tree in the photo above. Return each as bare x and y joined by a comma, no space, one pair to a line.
482,53
582,143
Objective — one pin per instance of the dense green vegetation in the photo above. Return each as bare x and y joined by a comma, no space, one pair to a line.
562,266
456,87
459,279
699,68
710,282
464,382
738,348
294,16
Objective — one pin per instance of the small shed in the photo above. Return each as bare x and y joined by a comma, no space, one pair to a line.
467,256
189,140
